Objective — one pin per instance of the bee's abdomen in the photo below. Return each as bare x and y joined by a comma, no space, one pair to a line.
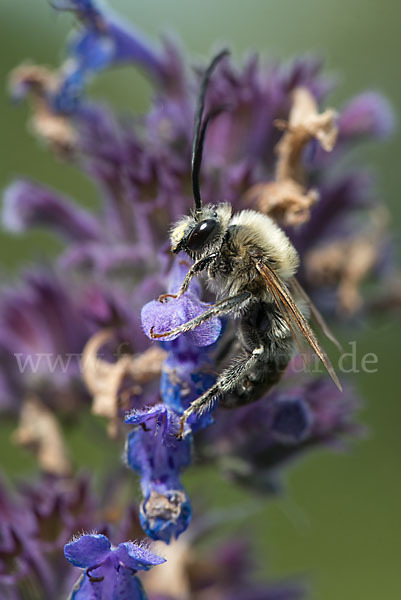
258,383
258,336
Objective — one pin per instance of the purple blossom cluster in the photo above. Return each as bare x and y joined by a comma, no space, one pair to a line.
37,520
107,280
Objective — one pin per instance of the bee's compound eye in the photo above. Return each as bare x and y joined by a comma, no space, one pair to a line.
201,234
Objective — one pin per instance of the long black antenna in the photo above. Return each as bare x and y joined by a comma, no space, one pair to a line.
199,134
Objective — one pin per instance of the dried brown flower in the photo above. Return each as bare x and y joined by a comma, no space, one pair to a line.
39,430
346,263
104,380
54,128
287,198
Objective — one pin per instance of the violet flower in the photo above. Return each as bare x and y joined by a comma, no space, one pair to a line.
102,41
166,315
154,451
109,571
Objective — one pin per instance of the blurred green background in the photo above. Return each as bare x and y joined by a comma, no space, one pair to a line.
339,524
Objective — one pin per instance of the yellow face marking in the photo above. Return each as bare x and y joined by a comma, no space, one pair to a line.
177,235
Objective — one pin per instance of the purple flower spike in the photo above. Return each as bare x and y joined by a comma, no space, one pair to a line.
164,316
369,114
27,204
137,557
109,570
117,260
159,457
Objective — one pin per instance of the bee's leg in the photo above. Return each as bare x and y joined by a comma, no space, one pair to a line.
196,268
221,308
227,381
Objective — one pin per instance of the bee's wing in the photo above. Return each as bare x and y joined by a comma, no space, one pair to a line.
316,314
295,320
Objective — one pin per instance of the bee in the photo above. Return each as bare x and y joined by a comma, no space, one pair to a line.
250,265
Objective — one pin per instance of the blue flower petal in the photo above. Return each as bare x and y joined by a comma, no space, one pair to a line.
88,550
136,557
154,451
158,419
165,316
179,388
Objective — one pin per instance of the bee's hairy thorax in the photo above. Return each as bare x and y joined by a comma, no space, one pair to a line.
234,268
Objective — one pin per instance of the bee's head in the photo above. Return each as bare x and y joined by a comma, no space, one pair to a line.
202,232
